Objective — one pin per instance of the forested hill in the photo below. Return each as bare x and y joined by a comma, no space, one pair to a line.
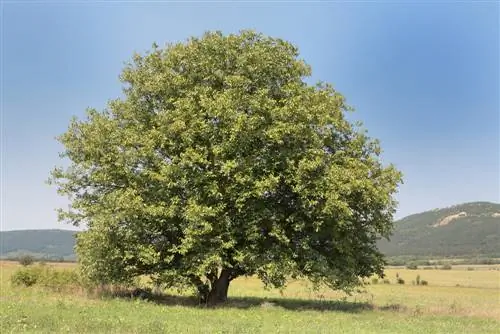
47,244
469,229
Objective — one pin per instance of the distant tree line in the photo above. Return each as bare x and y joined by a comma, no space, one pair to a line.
28,259
419,261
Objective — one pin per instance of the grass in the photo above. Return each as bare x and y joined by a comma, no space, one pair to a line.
472,307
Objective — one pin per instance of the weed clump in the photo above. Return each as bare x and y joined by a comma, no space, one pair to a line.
400,280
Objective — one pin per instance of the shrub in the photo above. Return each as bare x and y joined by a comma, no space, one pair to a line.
386,281
428,268
470,268
423,282
417,280
26,260
446,267
57,279
412,266
45,276
374,280
26,276
401,281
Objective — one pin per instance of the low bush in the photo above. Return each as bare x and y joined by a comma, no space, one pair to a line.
446,267
424,282
26,260
400,280
57,279
386,281
374,280
26,276
45,276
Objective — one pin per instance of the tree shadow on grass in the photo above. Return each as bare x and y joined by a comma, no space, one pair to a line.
300,304
247,302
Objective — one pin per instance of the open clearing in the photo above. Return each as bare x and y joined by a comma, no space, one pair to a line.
455,301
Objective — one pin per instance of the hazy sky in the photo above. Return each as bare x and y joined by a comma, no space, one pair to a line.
424,78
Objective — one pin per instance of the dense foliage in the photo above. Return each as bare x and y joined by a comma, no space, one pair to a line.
220,161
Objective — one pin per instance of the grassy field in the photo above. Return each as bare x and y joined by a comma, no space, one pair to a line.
455,301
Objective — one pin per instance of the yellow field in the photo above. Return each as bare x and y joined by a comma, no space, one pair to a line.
481,277
455,292
458,300
478,293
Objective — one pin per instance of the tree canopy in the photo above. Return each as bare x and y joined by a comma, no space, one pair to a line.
221,161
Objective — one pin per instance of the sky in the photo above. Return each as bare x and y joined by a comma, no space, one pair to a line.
423,78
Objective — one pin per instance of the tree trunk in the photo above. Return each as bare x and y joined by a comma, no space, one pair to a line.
219,288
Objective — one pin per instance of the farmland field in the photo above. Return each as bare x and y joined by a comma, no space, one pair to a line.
461,300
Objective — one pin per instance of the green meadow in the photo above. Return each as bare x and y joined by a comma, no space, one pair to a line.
460,300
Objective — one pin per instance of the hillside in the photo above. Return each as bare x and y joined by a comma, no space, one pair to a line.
49,244
470,229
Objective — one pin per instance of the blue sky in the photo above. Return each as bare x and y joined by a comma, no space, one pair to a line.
424,79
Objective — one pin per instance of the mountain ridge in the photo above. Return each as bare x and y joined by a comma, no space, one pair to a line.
50,244
469,230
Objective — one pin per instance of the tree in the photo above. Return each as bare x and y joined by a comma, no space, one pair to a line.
220,161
